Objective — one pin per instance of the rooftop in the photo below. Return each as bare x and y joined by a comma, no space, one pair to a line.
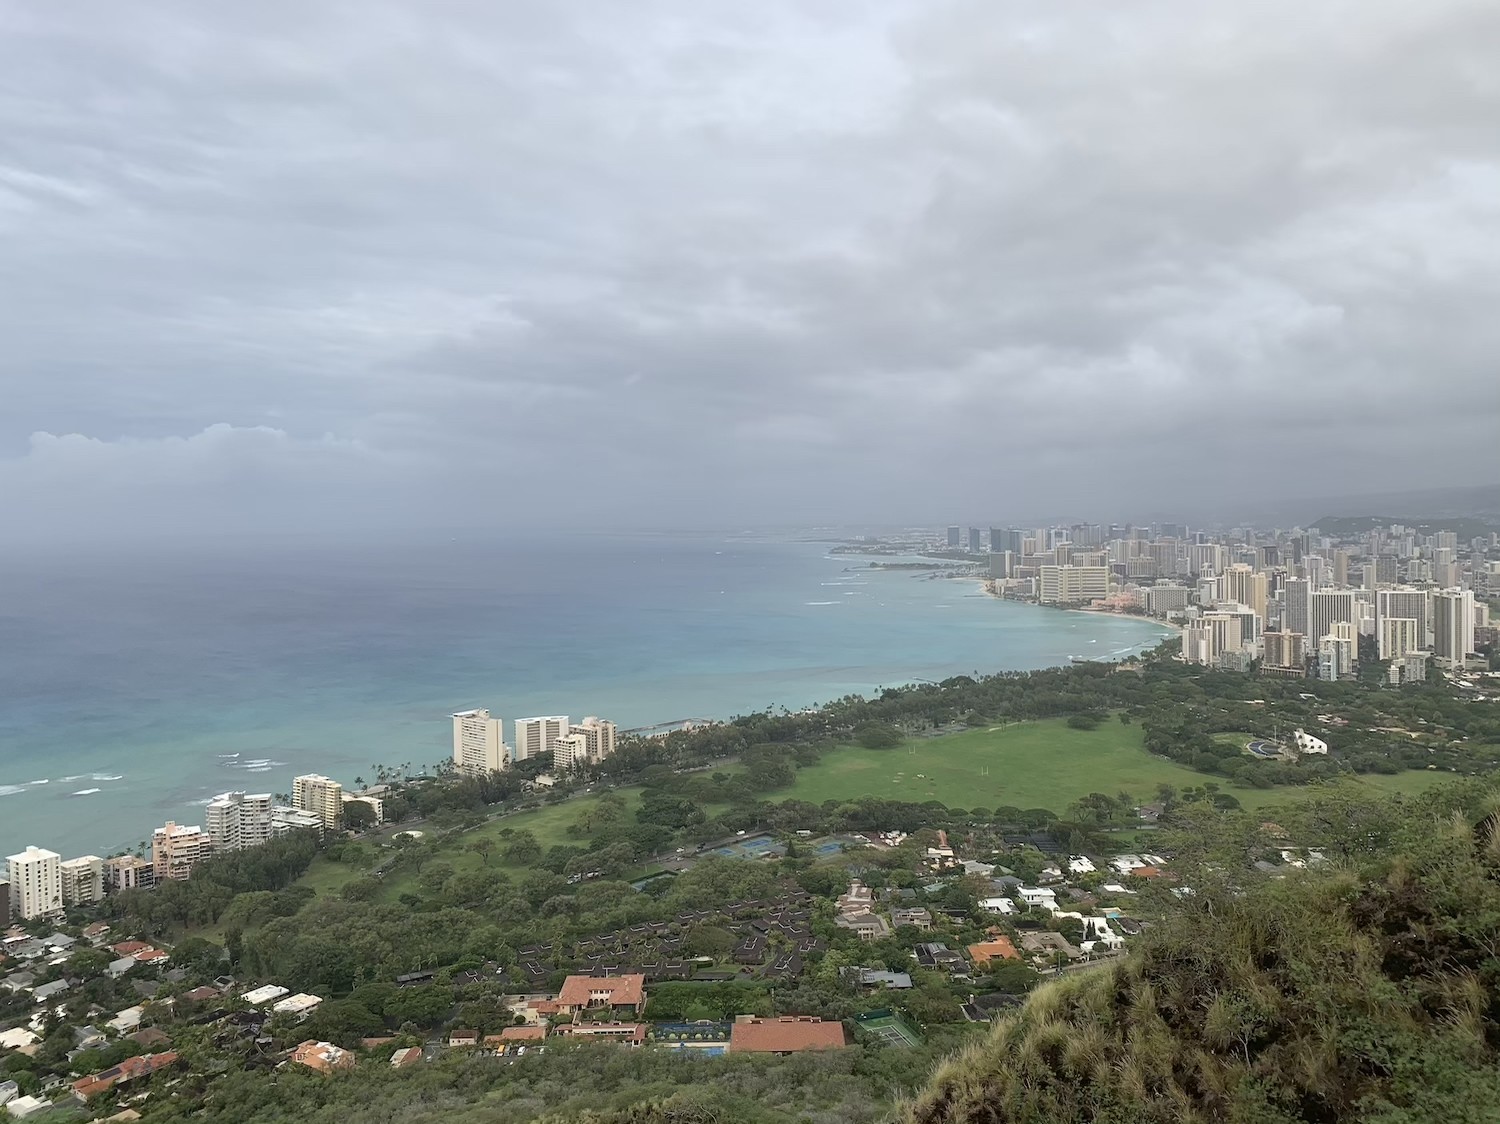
788,1034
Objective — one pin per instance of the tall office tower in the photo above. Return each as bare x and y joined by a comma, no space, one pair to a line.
1014,540
1367,575
1243,585
1446,574
1386,569
997,540
1413,603
976,541
35,883
539,735
1445,540
318,796
1397,637
176,849
1283,650
479,743
236,820
1328,608
599,737
1452,626
954,542
1296,612
1340,567
82,880
1001,563
1071,585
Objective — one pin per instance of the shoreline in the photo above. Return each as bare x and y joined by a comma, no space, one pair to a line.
987,584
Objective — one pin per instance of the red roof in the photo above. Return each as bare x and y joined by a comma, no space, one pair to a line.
618,991
151,954
127,1070
1146,872
786,1035
996,948
130,948
522,1033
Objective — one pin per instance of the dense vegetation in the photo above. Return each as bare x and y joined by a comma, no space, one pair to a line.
1364,993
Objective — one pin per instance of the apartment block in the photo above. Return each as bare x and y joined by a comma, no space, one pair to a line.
318,796
127,872
35,883
176,849
479,743
236,820
82,880
1071,585
535,736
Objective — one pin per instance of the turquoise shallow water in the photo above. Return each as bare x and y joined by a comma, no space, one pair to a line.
136,686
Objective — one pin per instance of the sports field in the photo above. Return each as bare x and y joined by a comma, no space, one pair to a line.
890,1028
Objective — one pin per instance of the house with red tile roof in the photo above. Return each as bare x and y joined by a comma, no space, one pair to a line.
131,1069
621,994
998,947
789,1034
324,1057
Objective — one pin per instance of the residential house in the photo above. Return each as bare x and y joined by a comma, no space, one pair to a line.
867,926
462,1038
405,1057
939,955
131,1069
998,947
1003,906
324,1057
620,994
916,917
890,981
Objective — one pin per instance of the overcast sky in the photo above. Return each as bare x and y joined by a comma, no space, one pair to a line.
292,264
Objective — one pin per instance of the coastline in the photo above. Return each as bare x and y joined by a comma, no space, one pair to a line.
988,585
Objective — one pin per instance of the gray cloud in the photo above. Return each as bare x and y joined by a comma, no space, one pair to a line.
682,262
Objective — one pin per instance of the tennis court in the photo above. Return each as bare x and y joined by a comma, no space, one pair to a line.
890,1028
755,847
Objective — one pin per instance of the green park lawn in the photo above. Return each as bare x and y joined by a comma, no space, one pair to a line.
1045,764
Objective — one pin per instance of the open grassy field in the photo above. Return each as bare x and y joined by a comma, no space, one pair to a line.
1029,765
1026,765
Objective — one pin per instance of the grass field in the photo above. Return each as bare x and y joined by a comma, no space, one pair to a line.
1029,765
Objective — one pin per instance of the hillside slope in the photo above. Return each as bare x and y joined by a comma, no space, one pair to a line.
1367,995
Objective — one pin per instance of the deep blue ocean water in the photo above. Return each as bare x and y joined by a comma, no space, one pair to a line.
136,685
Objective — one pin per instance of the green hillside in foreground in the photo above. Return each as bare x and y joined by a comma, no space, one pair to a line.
1368,993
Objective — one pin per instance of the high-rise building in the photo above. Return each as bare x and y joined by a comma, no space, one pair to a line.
1012,539
82,880
479,743
976,541
1296,612
1336,652
1283,652
1328,607
4,902
35,883
1452,626
236,820
1411,603
1386,569
374,803
1071,585
176,849
570,752
1166,598
1206,639
128,872
318,796
535,736
955,540
1241,584
1397,637
599,737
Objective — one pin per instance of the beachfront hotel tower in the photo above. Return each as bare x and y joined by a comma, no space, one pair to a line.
318,796
35,883
536,736
479,743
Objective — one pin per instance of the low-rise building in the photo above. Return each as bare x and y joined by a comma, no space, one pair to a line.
621,994
260,996
790,1034
324,1057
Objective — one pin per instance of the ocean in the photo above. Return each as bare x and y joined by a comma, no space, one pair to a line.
135,685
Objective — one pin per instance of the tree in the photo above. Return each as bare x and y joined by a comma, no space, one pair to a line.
523,849
484,847
878,735
358,816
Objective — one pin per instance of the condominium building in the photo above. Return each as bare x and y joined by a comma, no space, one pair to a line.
1452,626
128,872
176,849
535,736
1284,652
1243,585
318,796
236,820
35,883
1296,602
1329,607
1412,603
374,803
1163,599
1071,585
479,743
600,736
82,880
570,752
1397,637
1336,652
1211,635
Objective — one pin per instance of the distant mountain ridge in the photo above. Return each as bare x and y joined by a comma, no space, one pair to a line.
1465,527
